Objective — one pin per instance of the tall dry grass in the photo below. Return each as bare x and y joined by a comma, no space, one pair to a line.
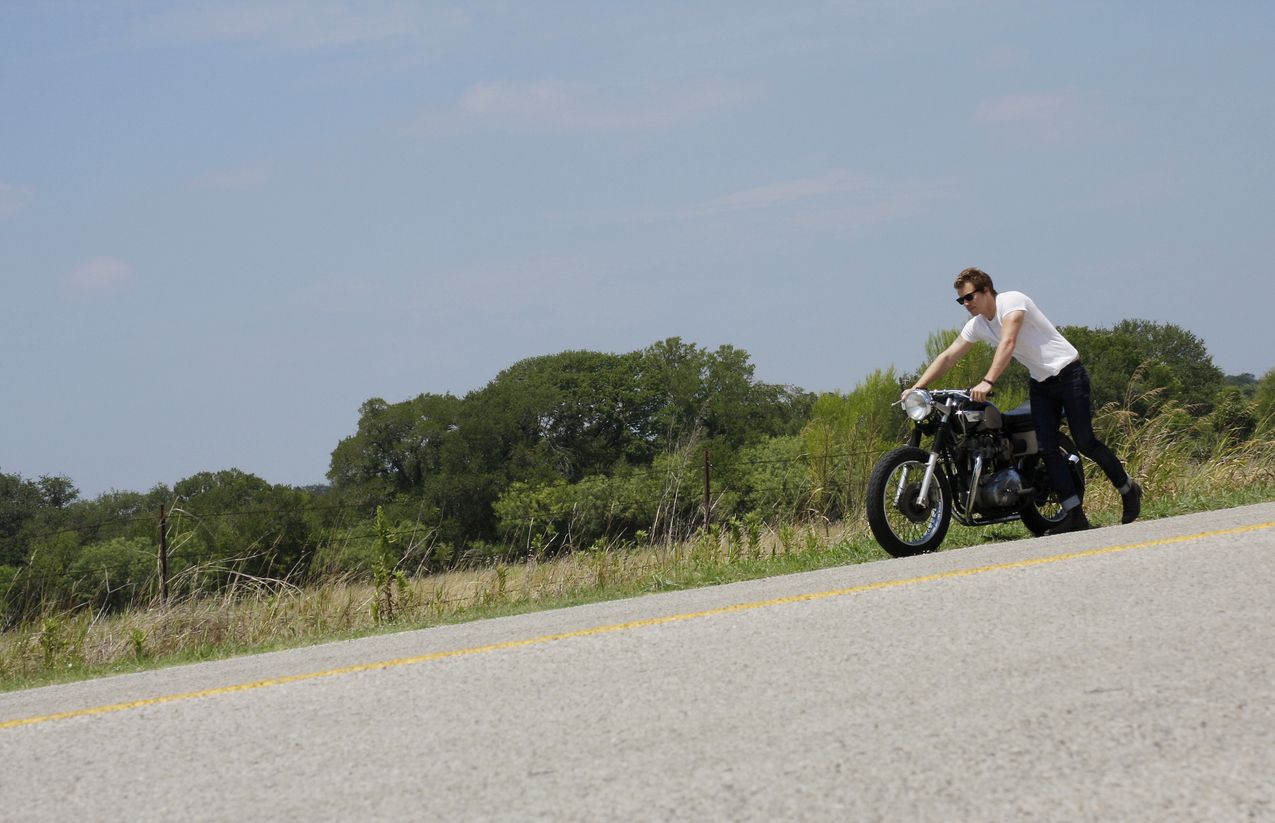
256,614
1182,460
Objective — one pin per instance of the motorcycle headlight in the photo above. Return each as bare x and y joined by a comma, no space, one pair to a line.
917,405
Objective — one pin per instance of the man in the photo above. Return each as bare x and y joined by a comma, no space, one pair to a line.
1059,385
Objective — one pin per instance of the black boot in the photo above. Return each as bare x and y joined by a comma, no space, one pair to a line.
1075,521
1132,501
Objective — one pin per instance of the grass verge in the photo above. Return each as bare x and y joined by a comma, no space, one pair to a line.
68,647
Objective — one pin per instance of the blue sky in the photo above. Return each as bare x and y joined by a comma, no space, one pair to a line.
224,225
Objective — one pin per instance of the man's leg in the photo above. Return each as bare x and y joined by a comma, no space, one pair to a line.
1046,407
1079,409
1045,417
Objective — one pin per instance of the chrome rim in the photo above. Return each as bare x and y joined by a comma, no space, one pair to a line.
1050,507
910,523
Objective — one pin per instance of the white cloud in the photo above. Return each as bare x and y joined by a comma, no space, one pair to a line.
12,199
553,106
98,277
1049,116
288,24
779,194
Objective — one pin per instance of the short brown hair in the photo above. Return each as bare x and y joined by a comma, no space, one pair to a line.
977,278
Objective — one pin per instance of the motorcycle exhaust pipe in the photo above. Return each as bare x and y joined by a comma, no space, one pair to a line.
978,471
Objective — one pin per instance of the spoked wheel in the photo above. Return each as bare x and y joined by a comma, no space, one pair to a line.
903,523
1045,510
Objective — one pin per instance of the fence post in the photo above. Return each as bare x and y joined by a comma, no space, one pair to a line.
163,555
707,490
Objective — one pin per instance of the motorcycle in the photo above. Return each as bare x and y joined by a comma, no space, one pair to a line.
983,467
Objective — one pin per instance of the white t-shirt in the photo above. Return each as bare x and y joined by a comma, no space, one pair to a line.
1040,346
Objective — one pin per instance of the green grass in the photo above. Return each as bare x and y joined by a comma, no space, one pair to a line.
69,647
64,648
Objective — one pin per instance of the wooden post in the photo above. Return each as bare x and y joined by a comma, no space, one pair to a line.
163,556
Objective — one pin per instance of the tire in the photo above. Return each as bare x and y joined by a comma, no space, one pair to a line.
899,525
1045,510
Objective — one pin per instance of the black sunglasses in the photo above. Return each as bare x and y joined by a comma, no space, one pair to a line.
967,298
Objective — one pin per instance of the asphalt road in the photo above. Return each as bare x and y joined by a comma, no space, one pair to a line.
1125,673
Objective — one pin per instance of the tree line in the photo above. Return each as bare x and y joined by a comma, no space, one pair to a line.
556,453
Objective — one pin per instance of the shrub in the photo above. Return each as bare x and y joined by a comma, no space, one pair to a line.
114,573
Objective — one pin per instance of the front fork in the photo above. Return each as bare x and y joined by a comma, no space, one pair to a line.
931,466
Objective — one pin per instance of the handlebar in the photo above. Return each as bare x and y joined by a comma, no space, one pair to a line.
944,394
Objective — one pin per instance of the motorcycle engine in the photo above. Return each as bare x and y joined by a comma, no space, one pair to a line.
1001,491
992,448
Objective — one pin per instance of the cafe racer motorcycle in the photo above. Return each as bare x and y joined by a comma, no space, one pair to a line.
982,467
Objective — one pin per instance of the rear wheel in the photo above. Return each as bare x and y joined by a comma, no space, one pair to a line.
1044,510
902,522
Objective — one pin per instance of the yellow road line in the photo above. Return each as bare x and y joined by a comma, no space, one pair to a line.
619,627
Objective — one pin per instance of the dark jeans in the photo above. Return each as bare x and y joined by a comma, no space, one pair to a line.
1067,394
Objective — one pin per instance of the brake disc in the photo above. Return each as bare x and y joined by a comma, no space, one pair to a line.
908,506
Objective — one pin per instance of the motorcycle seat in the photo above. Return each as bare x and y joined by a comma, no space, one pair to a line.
1019,419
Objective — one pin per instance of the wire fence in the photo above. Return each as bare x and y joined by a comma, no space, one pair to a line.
683,510
437,593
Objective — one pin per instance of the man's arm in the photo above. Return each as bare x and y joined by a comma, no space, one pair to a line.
943,363
1011,325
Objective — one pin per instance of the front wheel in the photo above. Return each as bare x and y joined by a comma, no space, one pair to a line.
903,523
1044,510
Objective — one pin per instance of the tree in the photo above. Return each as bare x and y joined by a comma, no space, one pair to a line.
1264,403
396,446
42,582
57,492
557,418
25,504
1234,416
566,415
1245,382
715,395
1135,357
19,501
232,522
114,573
845,436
